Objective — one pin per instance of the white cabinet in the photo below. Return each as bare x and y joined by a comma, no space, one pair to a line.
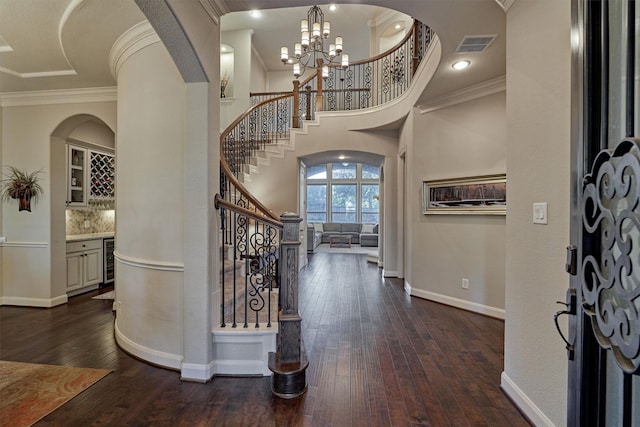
84,265
90,177
76,176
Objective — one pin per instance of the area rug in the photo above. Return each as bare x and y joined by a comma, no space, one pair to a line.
354,249
29,392
106,295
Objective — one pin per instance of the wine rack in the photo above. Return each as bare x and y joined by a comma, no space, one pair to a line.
102,168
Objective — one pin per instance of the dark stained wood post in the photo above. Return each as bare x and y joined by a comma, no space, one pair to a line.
319,80
289,363
308,111
415,60
295,118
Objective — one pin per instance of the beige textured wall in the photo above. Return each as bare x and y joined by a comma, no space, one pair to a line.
463,140
33,261
150,206
538,167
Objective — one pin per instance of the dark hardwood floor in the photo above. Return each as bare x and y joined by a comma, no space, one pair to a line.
377,358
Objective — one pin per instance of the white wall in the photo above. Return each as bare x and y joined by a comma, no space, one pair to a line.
258,80
538,169
463,140
94,133
232,107
150,201
32,261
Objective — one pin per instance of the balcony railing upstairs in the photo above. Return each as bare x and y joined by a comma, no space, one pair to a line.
363,84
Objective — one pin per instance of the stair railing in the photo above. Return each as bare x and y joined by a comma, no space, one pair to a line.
259,251
250,231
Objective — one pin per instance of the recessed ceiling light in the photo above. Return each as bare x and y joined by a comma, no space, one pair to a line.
332,7
461,65
255,13
398,26
223,48
341,157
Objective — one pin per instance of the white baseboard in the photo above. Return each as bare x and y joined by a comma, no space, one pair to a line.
34,302
197,373
498,313
389,273
243,352
160,358
522,401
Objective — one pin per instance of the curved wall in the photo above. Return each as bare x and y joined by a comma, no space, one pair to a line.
150,204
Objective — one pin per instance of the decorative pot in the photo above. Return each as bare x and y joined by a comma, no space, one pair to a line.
24,202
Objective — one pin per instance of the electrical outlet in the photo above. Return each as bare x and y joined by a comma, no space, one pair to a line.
87,224
465,283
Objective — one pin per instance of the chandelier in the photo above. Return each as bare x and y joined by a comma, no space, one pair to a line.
310,51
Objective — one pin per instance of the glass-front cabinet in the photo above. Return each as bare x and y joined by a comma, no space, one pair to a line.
77,176
90,177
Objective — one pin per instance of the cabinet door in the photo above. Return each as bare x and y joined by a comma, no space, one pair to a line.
92,265
76,176
74,270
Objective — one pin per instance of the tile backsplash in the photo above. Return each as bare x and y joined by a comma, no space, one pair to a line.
101,221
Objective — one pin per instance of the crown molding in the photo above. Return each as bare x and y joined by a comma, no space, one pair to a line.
470,93
62,96
215,9
131,41
505,4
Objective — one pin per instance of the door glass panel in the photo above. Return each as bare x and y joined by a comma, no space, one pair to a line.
614,392
617,70
637,73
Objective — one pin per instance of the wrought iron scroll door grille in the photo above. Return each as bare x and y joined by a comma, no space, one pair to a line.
604,335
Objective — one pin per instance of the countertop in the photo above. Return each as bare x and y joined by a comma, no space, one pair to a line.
90,236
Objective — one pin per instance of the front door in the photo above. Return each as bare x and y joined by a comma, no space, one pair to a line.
604,299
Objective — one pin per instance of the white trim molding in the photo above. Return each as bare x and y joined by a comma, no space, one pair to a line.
131,41
522,401
389,273
148,264
470,93
498,313
62,96
24,245
161,358
215,9
197,373
35,302
505,4
243,352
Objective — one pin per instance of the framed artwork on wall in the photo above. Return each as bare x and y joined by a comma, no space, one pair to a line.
486,195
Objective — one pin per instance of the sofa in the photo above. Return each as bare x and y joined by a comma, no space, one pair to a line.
363,234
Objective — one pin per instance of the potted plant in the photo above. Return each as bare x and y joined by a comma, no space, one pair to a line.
22,186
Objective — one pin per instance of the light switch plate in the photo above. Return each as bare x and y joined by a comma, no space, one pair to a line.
540,213
3,239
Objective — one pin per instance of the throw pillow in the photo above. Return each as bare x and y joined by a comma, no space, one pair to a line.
367,228
317,227
375,228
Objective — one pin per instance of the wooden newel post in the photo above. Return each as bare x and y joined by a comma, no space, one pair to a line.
319,95
415,60
295,118
289,363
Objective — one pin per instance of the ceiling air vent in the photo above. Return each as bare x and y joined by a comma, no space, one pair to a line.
475,43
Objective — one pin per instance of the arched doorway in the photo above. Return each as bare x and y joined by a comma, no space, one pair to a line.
83,130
